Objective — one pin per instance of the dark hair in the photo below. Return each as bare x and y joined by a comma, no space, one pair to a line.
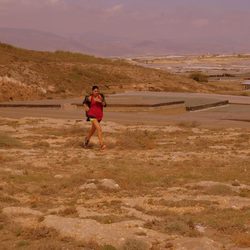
95,87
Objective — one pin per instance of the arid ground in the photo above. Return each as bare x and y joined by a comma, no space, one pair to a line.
222,73
167,180
175,185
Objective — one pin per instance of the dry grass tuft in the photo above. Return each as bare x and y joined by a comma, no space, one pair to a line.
244,193
199,77
173,224
241,239
69,212
218,189
187,124
134,244
48,189
41,144
74,130
75,180
109,219
91,244
22,244
224,221
7,141
187,203
8,199
108,247
38,233
3,221
137,140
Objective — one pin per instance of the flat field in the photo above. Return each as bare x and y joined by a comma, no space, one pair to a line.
169,186
218,73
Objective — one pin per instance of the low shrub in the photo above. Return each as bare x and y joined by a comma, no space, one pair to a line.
199,77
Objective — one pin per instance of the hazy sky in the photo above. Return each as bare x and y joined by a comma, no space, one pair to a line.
140,19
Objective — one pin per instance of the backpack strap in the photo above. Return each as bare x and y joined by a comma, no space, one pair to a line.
86,101
103,99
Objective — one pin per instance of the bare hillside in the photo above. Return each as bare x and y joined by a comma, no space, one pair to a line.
26,74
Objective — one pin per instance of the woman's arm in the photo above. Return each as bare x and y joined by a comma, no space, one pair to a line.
103,101
86,103
86,107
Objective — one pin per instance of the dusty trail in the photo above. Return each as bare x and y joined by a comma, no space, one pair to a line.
236,114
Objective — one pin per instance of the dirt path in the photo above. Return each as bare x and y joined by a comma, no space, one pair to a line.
226,116
233,115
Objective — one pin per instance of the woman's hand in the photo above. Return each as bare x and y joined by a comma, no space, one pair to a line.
98,99
86,108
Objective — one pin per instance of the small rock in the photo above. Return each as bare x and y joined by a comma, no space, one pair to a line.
235,208
109,184
58,176
200,228
21,210
218,147
20,172
169,245
91,181
88,186
236,183
51,88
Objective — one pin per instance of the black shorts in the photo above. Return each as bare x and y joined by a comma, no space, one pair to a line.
89,118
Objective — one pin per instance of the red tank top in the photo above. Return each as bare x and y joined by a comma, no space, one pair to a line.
96,109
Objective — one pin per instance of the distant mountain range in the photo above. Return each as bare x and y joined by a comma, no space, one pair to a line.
105,45
38,40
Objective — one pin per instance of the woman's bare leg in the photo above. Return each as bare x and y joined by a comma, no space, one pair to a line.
91,132
99,132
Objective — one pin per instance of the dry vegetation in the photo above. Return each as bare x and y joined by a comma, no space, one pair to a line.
221,74
177,183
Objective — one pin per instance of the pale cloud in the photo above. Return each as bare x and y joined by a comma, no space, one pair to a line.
54,1
31,2
5,1
200,23
114,9
4,4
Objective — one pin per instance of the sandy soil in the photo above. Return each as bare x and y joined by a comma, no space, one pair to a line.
169,186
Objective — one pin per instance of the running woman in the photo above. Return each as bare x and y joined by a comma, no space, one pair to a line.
93,105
